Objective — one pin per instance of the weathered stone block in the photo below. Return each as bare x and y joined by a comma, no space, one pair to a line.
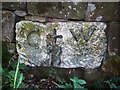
103,11
61,44
57,9
113,38
8,21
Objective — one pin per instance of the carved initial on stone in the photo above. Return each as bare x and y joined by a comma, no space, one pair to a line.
54,51
80,32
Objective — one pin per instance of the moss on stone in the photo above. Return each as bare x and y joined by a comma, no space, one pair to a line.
26,28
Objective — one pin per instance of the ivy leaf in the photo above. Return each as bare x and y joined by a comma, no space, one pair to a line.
81,82
74,79
76,85
66,86
111,85
77,80
62,86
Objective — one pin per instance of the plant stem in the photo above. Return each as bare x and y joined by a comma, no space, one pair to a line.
16,73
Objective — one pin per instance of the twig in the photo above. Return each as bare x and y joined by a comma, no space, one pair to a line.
55,83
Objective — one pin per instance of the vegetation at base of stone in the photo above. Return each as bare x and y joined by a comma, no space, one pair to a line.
13,76
54,80
73,83
52,71
111,84
76,83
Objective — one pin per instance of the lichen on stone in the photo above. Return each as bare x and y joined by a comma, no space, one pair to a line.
83,44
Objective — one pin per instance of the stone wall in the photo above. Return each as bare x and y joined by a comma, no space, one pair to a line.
41,12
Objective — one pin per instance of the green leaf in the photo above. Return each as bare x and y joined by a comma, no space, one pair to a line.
1,69
23,67
76,85
62,86
16,73
81,82
74,79
5,72
113,86
52,71
20,80
80,89
77,80
118,87
61,80
68,85
12,74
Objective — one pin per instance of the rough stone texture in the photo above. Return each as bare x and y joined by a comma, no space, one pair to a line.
0,52
8,49
14,6
8,21
57,9
94,74
83,44
20,13
113,39
112,65
102,11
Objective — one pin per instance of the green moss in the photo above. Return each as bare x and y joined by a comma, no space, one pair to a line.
52,26
41,30
28,25
26,28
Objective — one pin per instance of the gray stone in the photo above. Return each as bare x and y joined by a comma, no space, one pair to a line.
11,47
8,21
111,65
14,6
44,19
94,74
0,52
8,50
57,9
61,44
20,13
103,11
113,38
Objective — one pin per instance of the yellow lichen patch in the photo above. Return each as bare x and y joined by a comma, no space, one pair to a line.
26,27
